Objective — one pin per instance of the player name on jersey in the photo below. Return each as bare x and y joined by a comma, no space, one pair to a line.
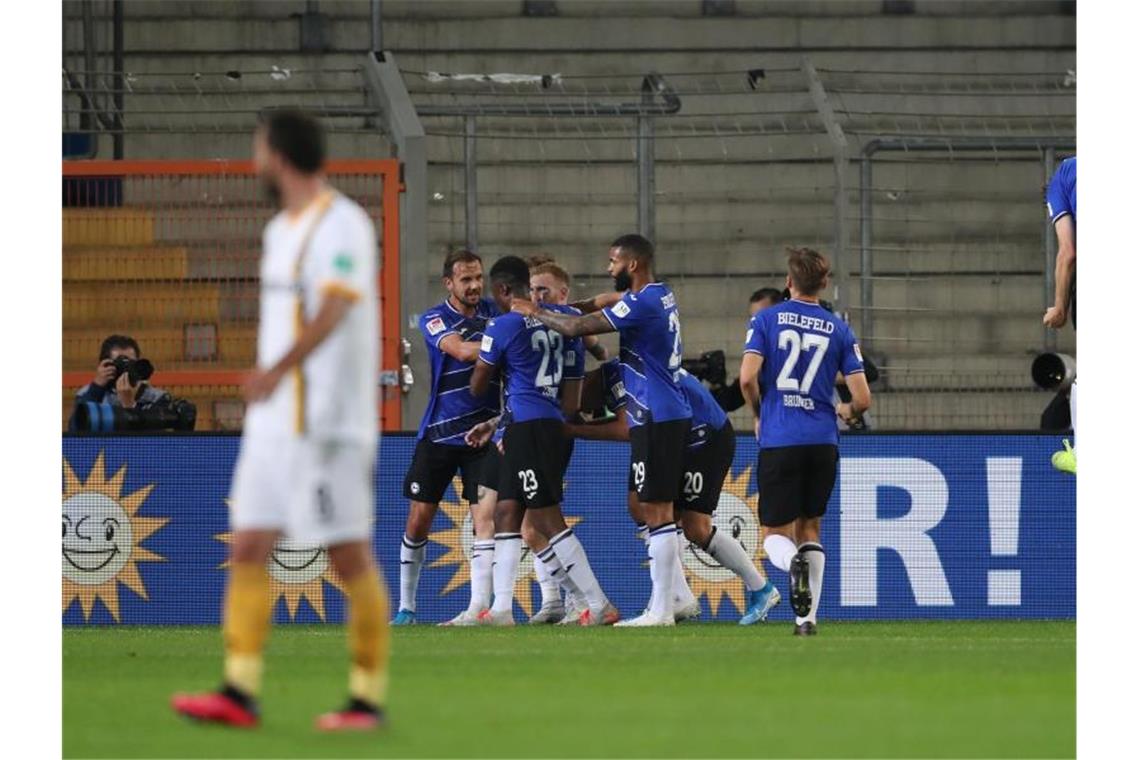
805,322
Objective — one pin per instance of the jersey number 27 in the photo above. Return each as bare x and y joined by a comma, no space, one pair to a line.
794,342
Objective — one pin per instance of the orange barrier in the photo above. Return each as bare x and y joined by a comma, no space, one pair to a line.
169,250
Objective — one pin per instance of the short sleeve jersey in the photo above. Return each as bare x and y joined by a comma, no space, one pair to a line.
534,360
803,346
1061,195
708,417
329,248
451,409
649,326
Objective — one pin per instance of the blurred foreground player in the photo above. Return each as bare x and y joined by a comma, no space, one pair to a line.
795,349
1061,199
533,360
452,332
649,325
308,449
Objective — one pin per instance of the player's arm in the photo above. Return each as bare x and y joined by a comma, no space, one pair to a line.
613,429
860,398
570,325
571,397
334,307
491,352
462,350
750,383
1063,271
596,348
598,302
481,376
478,436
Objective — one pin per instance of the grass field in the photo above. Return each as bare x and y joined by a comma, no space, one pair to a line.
913,689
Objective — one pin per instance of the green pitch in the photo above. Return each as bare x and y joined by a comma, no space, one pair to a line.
924,689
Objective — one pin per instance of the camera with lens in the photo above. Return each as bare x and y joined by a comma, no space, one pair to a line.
168,413
708,367
137,370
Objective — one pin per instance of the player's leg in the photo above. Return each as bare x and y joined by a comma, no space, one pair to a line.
259,500
480,471
431,470
507,553
656,461
542,463
368,638
819,480
333,505
551,610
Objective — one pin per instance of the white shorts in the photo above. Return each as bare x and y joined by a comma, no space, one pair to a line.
312,491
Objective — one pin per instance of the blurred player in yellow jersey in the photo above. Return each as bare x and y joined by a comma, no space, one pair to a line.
308,448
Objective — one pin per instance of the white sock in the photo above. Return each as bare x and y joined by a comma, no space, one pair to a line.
411,562
548,584
682,594
731,554
482,555
572,556
662,568
813,553
505,570
1073,410
780,550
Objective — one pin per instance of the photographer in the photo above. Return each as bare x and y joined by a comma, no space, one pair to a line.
112,382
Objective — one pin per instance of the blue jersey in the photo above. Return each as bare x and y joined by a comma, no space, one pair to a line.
707,414
803,346
1061,195
451,409
534,360
650,329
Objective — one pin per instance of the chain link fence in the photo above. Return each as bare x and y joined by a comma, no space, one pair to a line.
937,210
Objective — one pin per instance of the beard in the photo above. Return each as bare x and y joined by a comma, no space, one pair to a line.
623,281
271,190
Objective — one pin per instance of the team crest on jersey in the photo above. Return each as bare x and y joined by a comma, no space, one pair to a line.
436,326
621,309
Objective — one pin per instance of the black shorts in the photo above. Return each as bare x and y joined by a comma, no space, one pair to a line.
435,464
534,462
657,453
705,469
795,481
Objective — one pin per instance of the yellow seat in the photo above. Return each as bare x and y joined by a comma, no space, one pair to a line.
107,226
164,346
117,264
89,304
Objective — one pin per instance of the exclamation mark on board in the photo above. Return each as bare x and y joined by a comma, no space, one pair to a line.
1003,480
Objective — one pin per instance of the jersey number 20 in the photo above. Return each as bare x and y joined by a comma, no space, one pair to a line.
549,343
794,342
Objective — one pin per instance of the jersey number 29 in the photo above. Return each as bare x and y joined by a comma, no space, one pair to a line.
794,342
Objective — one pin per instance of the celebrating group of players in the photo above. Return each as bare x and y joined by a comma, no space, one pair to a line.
526,347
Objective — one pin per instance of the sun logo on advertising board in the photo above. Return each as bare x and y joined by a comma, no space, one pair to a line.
102,538
457,541
297,571
733,517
